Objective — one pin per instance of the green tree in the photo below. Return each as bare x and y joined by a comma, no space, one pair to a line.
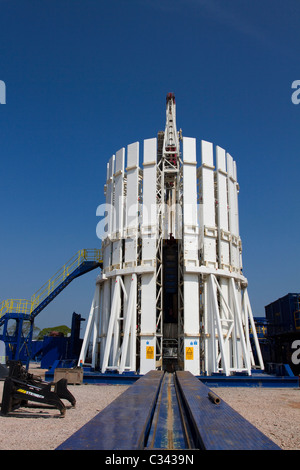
61,329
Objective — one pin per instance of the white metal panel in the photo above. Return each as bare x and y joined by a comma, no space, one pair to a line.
233,215
191,324
149,201
222,188
208,224
222,210
110,194
148,323
118,220
109,190
148,281
190,221
231,193
191,281
237,214
119,194
208,183
132,205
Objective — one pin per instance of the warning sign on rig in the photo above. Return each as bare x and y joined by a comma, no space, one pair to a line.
189,353
149,352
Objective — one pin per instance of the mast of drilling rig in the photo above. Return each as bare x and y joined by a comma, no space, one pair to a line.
170,167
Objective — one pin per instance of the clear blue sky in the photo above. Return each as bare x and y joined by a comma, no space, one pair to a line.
85,78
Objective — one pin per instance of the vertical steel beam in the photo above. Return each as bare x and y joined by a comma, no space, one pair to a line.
97,314
223,244
88,330
127,345
249,317
244,357
217,327
110,345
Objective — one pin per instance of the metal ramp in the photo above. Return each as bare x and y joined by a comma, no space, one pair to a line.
26,310
163,411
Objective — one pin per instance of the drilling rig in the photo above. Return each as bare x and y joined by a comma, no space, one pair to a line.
172,294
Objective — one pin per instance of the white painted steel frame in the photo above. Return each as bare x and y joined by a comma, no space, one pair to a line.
120,347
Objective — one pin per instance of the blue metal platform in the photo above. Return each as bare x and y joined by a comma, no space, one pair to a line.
168,411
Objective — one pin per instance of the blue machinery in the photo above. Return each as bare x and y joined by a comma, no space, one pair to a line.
168,411
21,310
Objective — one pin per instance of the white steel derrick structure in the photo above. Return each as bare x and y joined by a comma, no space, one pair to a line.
172,294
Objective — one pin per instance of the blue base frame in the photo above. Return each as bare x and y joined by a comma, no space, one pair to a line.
257,379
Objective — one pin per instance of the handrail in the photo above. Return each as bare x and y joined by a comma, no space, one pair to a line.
15,306
63,273
28,306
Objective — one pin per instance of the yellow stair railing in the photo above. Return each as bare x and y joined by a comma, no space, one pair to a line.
28,306
15,306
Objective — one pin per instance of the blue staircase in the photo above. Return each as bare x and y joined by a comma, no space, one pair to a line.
84,268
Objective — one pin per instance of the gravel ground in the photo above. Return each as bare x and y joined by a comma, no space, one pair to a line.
276,412
41,428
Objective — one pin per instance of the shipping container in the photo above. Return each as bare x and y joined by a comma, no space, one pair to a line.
283,315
